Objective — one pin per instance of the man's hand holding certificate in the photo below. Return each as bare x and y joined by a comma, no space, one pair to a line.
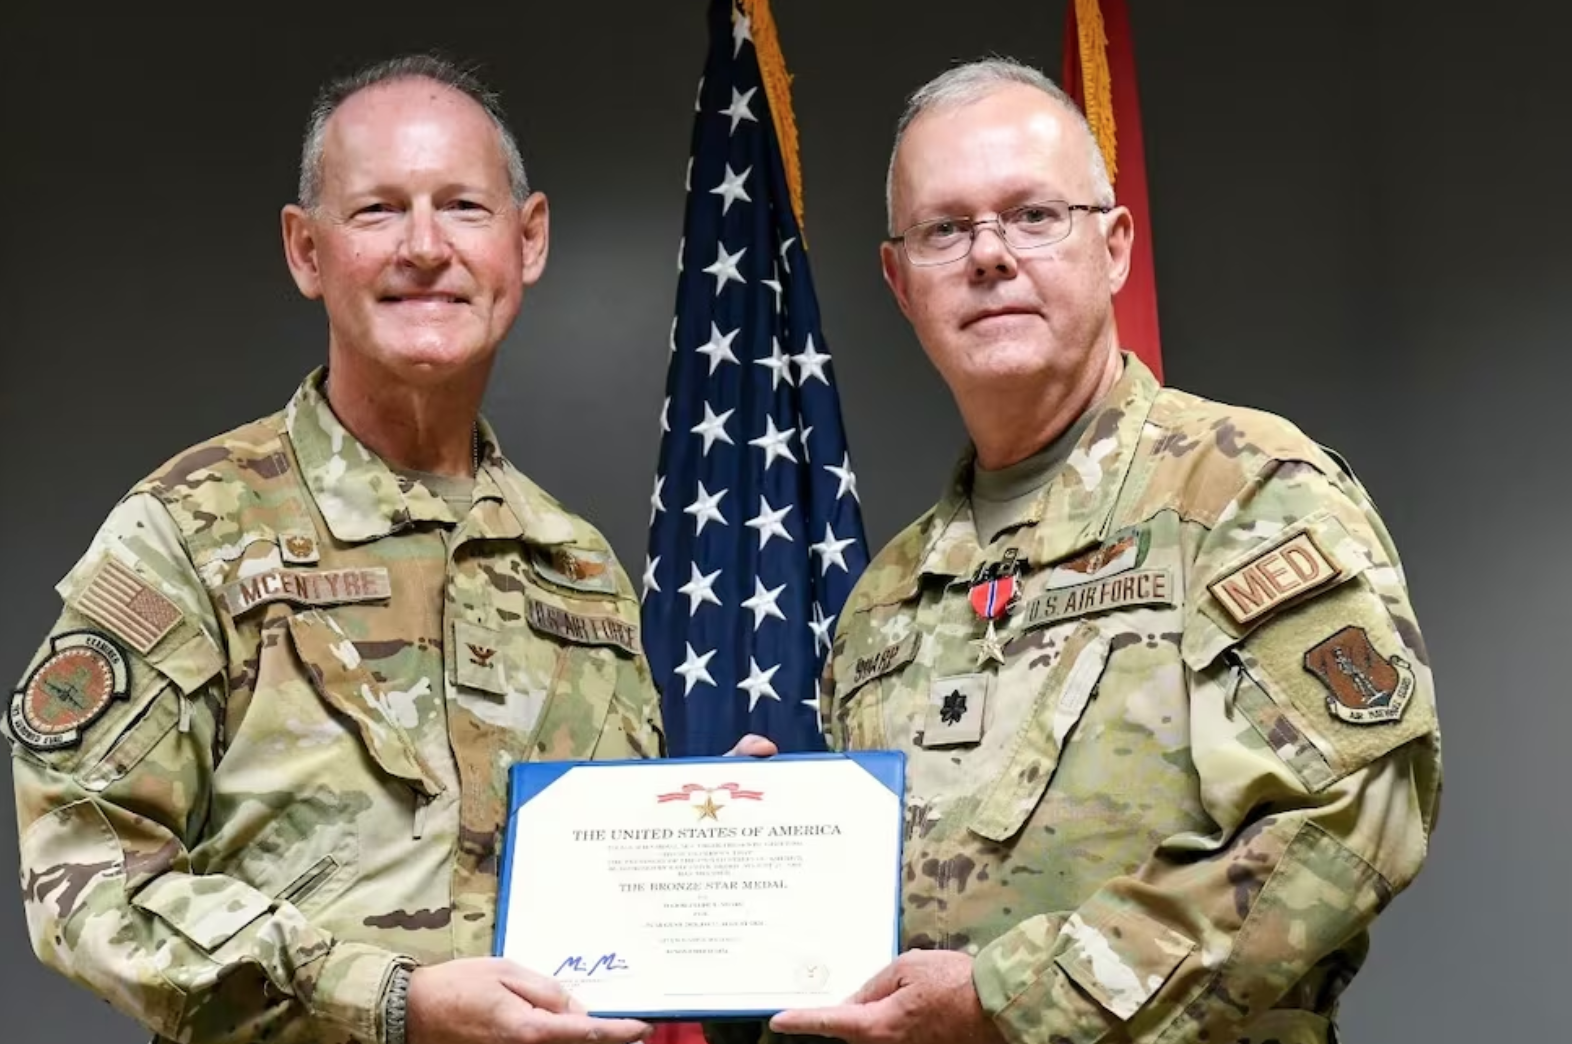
712,887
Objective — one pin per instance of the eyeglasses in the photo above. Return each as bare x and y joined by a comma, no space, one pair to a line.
1026,227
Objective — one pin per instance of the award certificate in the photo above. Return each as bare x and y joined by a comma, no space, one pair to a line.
704,887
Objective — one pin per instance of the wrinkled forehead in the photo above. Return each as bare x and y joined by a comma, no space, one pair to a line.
1014,146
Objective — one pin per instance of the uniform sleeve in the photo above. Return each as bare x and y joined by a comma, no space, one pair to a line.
113,733
1316,746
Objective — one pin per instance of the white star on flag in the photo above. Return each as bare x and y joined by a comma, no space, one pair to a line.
695,669
821,626
831,551
768,522
700,589
725,268
705,508
718,347
774,283
656,506
713,427
810,363
741,31
848,481
731,189
778,363
738,109
763,603
650,565
773,443
757,684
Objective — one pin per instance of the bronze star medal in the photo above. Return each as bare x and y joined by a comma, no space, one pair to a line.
988,647
994,592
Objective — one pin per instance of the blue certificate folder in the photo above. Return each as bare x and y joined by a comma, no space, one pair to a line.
531,780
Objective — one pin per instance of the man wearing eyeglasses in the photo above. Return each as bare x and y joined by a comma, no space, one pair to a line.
1170,727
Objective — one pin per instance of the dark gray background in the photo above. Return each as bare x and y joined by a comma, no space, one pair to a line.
1359,215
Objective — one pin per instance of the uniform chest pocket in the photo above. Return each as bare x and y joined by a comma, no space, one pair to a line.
547,684
504,678
1033,753
345,684
858,719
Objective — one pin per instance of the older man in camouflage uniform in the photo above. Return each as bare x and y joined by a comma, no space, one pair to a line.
1170,726
261,759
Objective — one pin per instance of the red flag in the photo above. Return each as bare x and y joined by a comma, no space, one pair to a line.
1099,73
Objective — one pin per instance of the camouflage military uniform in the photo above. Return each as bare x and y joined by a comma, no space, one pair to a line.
1205,756
262,756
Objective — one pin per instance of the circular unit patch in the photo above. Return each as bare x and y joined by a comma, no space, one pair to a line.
69,689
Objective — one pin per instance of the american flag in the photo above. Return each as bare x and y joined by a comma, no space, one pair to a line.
756,531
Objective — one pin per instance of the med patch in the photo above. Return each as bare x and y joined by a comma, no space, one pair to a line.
71,688
1274,576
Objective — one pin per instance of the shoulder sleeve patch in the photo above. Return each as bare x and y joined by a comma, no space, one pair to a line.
68,690
1363,686
126,605
1339,671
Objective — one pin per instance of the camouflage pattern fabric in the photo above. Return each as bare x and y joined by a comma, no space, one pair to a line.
1165,799
263,754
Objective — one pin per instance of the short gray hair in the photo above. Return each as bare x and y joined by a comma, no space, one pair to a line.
975,81
410,67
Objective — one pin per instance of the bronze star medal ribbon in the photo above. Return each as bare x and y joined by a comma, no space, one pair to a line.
995,590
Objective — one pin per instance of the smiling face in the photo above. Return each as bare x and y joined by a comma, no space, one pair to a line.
416,247
1000,317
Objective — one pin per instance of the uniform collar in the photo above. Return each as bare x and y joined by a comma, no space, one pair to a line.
1074,510
361,498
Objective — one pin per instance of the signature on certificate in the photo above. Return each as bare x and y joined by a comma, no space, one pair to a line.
609,962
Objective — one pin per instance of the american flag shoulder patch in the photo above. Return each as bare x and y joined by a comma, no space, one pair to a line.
122,602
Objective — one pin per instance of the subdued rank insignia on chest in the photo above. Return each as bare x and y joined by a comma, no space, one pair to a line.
123,603
298,549
69,689
581,568
955,710
1122,591
1120,554
1278,574
583,628
307,587
890,658
1365,687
